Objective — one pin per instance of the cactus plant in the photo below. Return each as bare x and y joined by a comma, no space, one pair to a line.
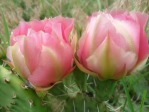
16,96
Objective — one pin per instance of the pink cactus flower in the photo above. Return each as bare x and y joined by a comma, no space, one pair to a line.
114,44
41,51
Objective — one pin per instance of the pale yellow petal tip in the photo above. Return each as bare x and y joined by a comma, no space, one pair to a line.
74,41
81,67
40,89
139,66
8,63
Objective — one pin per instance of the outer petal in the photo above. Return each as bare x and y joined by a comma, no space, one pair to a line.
48,71
60,27
118,13
32,49
66,59
81,67
60,48
74,41
130,31
143,45
92,37
125,45
109,59
37,25
66,26
22,29
19,61
9,54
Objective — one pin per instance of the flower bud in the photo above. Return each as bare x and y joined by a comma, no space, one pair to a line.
41,51
113,44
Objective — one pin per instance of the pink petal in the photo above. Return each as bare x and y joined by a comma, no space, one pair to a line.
48,70
130,31
57,31
22,29
94,35
109,59
62,27
90,39
120,74
32,49
84,69
119,14
9,54
139,66
66,59
19,61
37,25
54,29
60,48
48,27
143,45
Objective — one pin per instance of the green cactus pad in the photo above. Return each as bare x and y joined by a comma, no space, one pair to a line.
15,96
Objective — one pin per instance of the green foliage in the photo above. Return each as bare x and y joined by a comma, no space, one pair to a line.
25,16
2,52
4,39
128,96
107,87
16,96
143,99
72,95
99,4
5,28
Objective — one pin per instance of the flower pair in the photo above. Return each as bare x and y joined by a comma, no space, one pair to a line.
113,45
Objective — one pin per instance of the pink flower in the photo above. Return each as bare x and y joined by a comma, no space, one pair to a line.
114,44
41,51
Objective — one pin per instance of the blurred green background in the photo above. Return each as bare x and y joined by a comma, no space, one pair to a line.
18,10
